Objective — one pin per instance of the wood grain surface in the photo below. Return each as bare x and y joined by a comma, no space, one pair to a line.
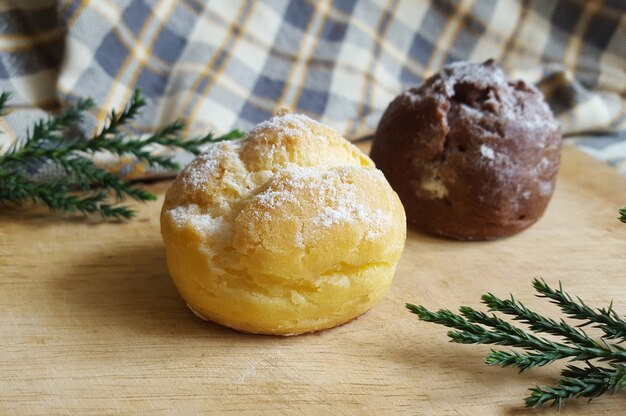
90,322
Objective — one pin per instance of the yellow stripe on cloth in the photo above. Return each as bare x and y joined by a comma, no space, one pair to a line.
120,93
212,73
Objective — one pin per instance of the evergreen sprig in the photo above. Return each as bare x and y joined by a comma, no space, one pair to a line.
87,188
622,214
592,380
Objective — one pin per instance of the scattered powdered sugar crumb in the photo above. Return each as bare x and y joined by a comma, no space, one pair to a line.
380,222
291,124
532,117
487,152
331,215
345,212
545,188
337,198
275,198
535,115
464,72
204,224
412,96
196,173
291,178
180,215
346,208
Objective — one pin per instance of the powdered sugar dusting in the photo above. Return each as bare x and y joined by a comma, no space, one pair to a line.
203,223
483,91
180,215
291,178
461,72
275,199
380,221
545,188
334,215
196,173
334,194
413,96
487,152
290,124
319,196
205,164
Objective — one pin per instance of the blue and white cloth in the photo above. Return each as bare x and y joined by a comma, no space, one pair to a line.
232,63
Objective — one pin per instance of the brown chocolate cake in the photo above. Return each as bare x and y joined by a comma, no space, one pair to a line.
472,155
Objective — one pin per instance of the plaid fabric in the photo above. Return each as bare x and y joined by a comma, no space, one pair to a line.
233,63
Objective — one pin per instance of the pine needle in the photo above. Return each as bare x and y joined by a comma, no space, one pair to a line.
475,327
87,188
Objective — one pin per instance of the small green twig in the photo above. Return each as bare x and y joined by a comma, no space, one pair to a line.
589,382
476,327
86,187
613,326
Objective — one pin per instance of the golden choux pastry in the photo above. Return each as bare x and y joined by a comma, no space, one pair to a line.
289,230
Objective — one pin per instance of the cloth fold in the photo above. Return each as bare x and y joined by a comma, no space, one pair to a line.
220,65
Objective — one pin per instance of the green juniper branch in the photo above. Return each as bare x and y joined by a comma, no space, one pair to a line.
606,319
536,322
622,214
590,382
86,187
475,327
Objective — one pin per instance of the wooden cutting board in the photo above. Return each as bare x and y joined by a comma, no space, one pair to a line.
91,324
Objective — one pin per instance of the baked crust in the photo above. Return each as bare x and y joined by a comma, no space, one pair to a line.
289,230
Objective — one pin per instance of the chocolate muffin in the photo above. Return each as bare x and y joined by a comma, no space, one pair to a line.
472,155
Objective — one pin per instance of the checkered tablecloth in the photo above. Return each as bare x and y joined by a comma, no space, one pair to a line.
233,63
